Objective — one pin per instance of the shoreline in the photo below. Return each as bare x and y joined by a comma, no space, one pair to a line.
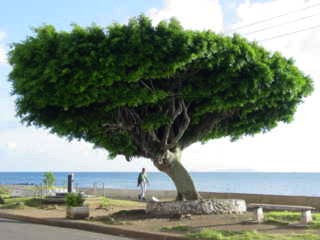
132,194
161,192
288,184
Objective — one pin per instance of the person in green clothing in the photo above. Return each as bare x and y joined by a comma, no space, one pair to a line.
143,180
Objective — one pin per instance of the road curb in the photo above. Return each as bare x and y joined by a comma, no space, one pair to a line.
93,228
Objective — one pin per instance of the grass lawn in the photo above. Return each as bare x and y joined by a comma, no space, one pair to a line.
19,203
131,215
284,218
4,192
278,218
105,202
179,228
211,234
249,235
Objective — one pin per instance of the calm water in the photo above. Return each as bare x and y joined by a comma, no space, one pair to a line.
263,183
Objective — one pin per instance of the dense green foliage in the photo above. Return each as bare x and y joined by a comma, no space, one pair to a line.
129,88
21,202
74,200
49,179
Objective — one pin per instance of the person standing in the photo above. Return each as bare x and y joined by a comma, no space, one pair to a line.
143,180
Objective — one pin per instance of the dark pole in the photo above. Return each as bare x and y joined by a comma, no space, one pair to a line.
70,182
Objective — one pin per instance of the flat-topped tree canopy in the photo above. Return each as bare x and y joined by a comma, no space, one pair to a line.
150,91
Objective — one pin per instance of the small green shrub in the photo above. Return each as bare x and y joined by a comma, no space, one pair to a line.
5,196
13,205
74,200
33,202
21,201
49,179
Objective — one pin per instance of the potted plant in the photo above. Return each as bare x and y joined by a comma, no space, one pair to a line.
75,207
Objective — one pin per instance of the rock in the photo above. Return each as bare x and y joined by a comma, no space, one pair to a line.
187,216
110,220
154,199
197,207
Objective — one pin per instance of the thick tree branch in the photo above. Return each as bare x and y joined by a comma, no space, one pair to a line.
183,126
174,112
206,125
167,128
130,120
153,143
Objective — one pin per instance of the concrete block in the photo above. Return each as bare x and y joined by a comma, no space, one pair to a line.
259,215
306,217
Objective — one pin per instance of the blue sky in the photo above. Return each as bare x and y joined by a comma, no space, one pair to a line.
287,148
19,16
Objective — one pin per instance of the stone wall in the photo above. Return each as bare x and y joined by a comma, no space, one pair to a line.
249,198
271,199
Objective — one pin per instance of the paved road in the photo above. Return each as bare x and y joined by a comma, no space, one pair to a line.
16,230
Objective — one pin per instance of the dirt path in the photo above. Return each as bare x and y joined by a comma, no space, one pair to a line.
133,217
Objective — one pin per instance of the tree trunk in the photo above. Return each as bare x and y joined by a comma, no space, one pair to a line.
172,166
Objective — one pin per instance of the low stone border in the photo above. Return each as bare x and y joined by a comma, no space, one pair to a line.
93,227
132,194
204,206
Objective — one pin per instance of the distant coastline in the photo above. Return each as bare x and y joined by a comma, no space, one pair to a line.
305,184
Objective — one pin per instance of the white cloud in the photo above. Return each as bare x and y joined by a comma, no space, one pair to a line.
193,14
290,147
3,56
28,148
11,145
303,46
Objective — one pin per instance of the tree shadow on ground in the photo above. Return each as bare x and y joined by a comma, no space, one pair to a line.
133,215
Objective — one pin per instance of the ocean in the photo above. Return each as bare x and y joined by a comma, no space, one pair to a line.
307,184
